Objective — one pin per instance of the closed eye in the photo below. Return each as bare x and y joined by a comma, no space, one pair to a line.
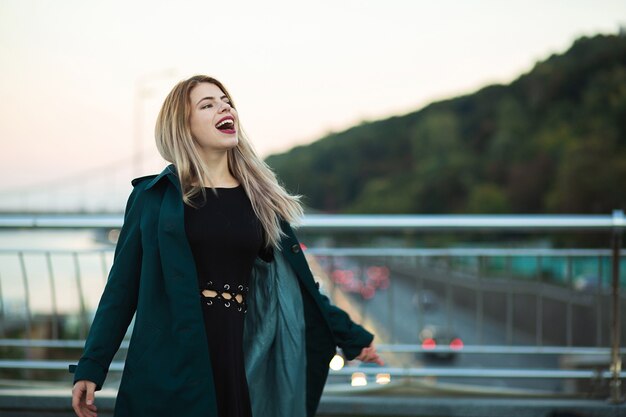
210,105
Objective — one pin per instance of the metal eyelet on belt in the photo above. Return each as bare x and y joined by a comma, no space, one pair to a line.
295,248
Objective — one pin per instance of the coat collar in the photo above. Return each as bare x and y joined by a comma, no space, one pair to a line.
170,172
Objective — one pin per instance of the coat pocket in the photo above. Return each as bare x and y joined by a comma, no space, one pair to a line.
140,347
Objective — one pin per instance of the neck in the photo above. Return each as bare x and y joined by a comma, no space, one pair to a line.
217,165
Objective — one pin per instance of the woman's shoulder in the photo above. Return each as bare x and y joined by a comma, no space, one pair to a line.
139,185
136,181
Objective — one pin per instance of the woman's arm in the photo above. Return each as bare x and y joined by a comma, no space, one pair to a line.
351,337
118,301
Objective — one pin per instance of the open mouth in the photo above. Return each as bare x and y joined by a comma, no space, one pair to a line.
226,126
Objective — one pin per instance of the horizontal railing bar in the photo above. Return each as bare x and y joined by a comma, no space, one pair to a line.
356,222
49,364
478,372
409,252
39,251
372,370
395,348
360,222
26,343
551,350
386,251
62,221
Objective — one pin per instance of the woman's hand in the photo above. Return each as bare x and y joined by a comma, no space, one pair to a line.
83,397
368,354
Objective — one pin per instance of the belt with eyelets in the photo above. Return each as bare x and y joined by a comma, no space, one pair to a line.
230,295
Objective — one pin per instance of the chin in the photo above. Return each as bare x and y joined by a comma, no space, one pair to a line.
232,143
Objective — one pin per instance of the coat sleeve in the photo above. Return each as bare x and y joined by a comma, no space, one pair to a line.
350,336
118,301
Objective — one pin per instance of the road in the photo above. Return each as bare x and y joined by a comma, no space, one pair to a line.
395,319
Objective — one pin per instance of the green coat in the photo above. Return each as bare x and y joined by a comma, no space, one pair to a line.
291,330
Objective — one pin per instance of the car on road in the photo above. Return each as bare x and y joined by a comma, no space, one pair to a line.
432,336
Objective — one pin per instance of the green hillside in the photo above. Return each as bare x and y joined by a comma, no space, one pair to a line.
552,141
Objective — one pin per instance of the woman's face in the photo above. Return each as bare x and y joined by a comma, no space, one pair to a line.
213,121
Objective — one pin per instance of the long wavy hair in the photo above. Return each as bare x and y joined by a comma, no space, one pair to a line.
175,143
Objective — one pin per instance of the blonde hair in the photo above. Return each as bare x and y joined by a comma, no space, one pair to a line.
270,201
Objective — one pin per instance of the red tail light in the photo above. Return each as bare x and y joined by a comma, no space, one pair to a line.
367,291
429,343
456,344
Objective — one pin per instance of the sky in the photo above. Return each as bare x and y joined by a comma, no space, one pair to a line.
83,81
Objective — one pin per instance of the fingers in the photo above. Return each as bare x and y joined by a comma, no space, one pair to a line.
82,393
89,408
87,412
373,357
378,360
368,354
77,395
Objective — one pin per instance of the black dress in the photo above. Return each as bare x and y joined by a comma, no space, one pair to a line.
225,236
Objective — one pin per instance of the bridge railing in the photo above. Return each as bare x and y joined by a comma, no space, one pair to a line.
575,293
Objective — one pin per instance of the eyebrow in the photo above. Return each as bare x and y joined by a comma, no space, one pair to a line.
210,98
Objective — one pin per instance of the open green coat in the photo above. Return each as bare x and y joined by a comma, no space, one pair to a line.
291,330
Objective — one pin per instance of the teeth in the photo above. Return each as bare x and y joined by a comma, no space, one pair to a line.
223,122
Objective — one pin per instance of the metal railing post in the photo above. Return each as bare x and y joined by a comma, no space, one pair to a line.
509,301
29,317
599,303
616,361
568,306
479,299
53,297
2,312
84,328
539,303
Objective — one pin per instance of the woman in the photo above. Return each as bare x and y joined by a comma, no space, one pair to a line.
206,247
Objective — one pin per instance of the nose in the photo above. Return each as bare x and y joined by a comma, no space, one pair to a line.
225,106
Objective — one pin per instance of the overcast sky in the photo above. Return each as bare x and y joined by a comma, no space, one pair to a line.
296,70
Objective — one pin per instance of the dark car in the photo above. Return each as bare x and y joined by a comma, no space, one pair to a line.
434,336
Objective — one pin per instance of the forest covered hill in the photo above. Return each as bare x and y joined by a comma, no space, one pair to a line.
552,141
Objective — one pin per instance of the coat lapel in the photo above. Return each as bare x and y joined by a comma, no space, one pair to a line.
178,266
